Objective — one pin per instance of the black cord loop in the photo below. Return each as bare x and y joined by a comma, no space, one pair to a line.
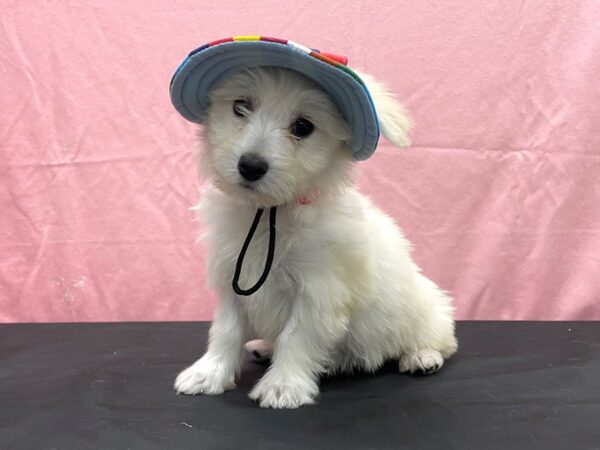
270,253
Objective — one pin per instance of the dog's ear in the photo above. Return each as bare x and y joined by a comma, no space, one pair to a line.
393,118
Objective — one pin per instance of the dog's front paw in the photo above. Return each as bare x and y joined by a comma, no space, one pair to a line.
274,391
205,376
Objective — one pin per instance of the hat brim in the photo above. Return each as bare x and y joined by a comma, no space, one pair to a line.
206,67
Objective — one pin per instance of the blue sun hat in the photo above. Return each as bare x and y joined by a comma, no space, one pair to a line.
205,67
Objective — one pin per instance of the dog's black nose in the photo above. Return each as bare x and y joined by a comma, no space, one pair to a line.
252,167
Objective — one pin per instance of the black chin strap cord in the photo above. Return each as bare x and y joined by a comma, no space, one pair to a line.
270,253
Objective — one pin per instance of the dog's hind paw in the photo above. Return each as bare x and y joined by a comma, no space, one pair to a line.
259,350
424,361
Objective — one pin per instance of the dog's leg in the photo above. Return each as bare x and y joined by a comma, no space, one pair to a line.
301,351
215,372
434,338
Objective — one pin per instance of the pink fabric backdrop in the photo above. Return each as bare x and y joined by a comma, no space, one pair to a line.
500,192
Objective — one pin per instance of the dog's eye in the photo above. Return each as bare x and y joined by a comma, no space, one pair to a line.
241,107
302,128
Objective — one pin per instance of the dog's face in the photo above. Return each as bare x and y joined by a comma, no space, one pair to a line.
272,136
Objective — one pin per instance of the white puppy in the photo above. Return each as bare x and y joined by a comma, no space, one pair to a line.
343,292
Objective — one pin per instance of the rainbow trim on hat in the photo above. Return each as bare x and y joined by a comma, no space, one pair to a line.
337,61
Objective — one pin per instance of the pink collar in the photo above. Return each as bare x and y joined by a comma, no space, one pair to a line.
309,198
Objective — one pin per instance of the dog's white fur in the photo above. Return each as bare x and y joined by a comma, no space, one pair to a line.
343,292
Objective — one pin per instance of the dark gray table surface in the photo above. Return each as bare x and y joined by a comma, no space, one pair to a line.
513,385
